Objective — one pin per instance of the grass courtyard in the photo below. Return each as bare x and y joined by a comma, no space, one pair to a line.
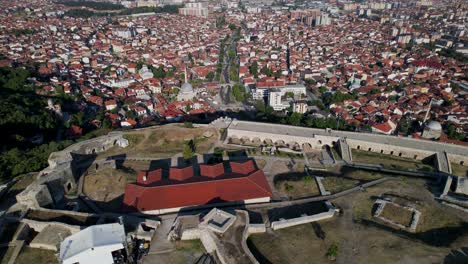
390,161
361,239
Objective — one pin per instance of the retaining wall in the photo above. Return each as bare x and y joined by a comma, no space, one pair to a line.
302,220
256,228
38,226
65,167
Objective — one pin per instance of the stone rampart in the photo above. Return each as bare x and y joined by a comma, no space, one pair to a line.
65,168
275,134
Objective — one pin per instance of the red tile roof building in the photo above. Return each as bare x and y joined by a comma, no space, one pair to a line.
181,174
149,177
172,195
212,171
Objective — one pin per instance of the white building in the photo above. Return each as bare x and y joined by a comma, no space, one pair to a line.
300,107
297,90
122,83
275,100
95,244
195,9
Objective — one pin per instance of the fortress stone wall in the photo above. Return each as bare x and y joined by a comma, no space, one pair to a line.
65,168
299,137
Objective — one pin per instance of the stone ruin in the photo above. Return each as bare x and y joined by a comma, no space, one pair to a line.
381,203
64,170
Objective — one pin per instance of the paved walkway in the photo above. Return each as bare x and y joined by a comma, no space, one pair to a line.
159,243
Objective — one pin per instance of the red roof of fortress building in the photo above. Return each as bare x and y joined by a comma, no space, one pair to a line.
244,183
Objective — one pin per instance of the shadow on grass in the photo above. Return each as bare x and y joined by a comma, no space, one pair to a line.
457,256
438,237
257,254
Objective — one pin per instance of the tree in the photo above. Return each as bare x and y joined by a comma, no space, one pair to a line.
453,134
238,91
190,57
323,89
267,71
220,21
403,126
317,103
232,54
337,97
189,149
253,69
79,119
295,119
159,72
289,95
130,114
210,76
232,27
106,123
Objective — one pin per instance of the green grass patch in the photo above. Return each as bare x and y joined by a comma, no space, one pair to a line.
338,184
133,139
390,161
190,245
33,255
298,188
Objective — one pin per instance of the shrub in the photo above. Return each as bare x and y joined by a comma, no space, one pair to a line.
332,252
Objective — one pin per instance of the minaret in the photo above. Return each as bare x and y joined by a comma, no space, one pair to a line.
185,74
428,111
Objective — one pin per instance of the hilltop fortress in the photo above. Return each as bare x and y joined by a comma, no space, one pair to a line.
67,166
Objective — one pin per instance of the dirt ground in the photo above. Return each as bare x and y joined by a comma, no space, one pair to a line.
107,187
459,170
280,167
360,239
298,189
33,255
164,141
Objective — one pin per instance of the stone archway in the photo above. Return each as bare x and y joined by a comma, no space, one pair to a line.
234,140
294,145
256,141
280,143
307,147
268,142
245,140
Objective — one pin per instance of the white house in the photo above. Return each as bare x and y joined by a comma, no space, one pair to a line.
96,244
275,100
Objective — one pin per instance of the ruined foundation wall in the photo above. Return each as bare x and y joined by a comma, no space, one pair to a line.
65,168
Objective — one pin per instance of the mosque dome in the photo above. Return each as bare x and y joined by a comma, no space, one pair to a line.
434,125
186,88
